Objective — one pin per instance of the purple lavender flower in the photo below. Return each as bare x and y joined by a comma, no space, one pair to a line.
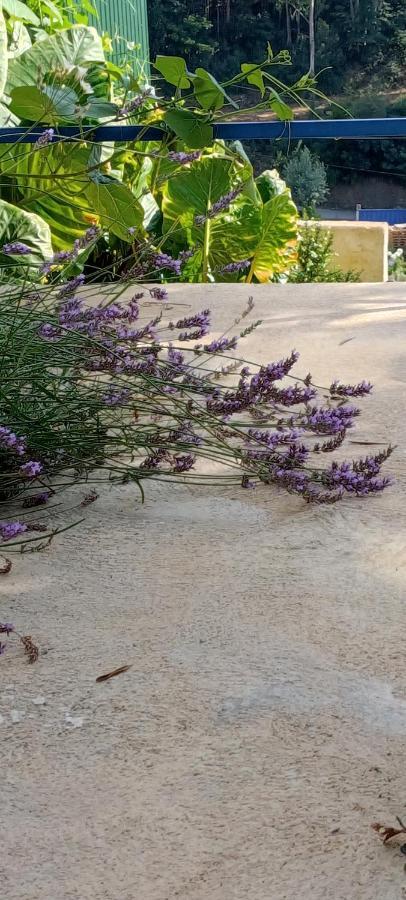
31,469
193,335
291,396
175,357
183,463
92,234
49,332
155,458
45,138
164,261
351,390
37,499
9,530
116,396
356,477
221,345
293,481
16,248
6,628
247,483
327,420
158,293
199,320
261,382
236,266
71,286
135,103
219,206
184,255
70,311
183,158
10,440
58,258
3,648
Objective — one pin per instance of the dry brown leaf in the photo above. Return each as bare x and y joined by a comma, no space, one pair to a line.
113,673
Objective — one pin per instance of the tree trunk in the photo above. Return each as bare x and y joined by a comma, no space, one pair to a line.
288,25
228,10
312,44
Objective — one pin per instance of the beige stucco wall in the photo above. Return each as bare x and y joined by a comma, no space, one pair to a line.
362,246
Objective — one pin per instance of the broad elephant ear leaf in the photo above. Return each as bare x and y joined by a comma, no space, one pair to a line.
21,11
3,52
228,237
52,183
275,249
116,205
76,46
18,225
270,184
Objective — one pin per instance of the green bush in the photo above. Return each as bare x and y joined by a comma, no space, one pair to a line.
307,179
315,258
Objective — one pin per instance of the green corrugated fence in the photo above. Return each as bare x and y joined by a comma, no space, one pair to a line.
126,21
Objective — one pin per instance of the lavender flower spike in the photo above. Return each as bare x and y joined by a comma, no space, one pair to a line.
71,286
183,158
219,206
45,138
158,293
6,628
16,248
351,390
31,469
9,530
236,266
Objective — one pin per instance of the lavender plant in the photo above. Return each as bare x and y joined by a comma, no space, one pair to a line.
117,390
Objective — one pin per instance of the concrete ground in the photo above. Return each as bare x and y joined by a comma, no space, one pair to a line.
262,726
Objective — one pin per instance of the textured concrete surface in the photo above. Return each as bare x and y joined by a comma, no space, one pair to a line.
262,726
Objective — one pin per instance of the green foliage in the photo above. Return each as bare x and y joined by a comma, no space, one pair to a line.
315,261
3,52
19,225
143,198
307,179
355,42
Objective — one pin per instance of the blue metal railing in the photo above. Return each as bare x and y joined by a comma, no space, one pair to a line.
300,129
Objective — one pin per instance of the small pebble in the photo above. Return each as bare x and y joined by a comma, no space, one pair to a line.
16,716
39,701
75,721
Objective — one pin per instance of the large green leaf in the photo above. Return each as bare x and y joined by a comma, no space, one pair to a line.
194,131
33,105
173,68
208,92
67,220
52,182
254,76
3,52
193,191
276,241
7,118
20,10
116,205
230,236
270,184
76,46
18,225
20,40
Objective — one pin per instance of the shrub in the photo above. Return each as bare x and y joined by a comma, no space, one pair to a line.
307,179
109,391
315,258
